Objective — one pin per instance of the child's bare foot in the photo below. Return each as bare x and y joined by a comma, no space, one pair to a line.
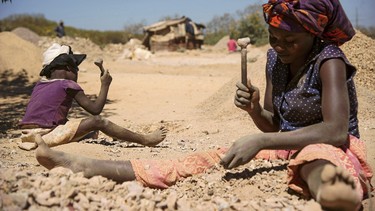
155,137
337,189
50,158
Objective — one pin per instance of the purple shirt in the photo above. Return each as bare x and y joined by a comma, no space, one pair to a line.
50,103
297,102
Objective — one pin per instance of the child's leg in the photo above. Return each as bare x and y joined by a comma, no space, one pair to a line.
330,185
115,131
118,171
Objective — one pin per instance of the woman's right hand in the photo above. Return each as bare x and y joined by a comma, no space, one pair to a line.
247,97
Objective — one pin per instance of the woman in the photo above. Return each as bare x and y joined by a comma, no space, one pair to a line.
310,98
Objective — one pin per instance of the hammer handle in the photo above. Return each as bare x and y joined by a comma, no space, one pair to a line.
99,63
101,70
244,66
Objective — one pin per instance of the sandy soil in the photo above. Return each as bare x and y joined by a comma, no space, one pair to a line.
191,93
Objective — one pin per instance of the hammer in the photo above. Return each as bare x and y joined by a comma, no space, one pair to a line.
243,42
99,63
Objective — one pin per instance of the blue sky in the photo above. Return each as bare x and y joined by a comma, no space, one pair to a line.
115,14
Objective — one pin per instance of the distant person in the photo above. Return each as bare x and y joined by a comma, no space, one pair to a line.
52,97
190,34
60,29
189,28
232,45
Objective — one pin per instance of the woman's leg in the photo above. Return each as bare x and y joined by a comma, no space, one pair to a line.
115,131
330,185
118,171
150,172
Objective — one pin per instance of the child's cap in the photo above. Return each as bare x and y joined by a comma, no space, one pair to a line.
60,55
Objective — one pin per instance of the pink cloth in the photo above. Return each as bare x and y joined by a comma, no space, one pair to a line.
351,157
164,173
232,45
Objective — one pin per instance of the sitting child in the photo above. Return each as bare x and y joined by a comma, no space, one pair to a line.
52,98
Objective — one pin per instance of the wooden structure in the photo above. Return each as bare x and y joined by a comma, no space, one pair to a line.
172,35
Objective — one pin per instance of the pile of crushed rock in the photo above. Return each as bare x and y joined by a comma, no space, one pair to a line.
60,189
361,53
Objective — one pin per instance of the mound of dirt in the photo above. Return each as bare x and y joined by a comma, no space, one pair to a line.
18,55
361,53
27,34
221,45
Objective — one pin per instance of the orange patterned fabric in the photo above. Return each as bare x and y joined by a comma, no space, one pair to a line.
164,173
351,157
325,18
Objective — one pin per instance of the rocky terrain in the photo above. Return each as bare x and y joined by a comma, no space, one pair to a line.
190,93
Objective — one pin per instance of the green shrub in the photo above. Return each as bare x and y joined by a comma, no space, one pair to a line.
43,27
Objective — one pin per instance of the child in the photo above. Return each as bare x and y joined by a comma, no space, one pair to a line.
52,97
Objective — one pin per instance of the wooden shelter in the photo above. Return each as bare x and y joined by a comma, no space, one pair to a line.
173,34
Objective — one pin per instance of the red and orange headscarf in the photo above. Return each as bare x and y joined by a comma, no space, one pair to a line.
323,18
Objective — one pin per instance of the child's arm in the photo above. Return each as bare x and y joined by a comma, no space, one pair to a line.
95,107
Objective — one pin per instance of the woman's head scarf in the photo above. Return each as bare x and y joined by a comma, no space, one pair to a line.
323,18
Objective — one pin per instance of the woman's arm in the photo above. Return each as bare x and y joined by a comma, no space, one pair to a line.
335,110
333,130
248,100
265,119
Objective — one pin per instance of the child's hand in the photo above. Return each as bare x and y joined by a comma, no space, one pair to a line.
106,78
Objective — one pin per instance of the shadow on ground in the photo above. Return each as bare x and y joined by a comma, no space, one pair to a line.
15,93
247,173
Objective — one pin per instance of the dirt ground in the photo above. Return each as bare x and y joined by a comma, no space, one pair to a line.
191,94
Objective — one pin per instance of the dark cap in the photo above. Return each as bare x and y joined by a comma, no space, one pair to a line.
60,55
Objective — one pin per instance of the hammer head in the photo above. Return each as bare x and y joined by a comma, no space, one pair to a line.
243,42
99,62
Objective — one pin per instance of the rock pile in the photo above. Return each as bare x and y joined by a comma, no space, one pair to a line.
61,189
361,53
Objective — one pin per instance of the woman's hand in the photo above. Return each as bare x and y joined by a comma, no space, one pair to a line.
246,98
242,151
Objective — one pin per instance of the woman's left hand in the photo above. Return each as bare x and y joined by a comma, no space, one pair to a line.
242,151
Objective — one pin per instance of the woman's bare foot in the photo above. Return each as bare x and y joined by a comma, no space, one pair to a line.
337,189
50,158
155,137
